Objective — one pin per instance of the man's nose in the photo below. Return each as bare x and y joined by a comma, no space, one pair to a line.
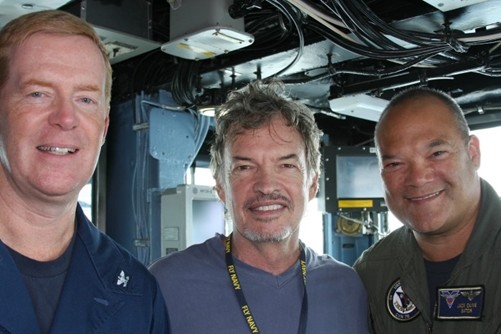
64,114
266,180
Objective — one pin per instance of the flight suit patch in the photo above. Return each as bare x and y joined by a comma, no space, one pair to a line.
399,305
460,303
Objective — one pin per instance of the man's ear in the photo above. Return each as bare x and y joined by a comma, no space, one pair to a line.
105,132
220,192
474,150
313,187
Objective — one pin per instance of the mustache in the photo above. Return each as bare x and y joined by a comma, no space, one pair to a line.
268,197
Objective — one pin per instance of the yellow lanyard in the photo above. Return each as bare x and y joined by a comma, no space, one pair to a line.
249,318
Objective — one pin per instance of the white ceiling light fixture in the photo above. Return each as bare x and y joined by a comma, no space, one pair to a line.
202,29
447,5
10,9
208,43
359,105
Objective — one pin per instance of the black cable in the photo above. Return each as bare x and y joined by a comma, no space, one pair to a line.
265,27
183,82
415,38
290,12
364,30
375,53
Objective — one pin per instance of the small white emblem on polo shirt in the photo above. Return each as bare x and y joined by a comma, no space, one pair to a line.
122,279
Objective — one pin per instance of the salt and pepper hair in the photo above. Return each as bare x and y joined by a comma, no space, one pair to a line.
416,93
254,107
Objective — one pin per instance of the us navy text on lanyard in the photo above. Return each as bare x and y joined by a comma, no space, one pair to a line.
249,318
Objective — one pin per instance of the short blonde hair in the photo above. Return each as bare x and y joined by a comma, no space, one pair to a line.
18,30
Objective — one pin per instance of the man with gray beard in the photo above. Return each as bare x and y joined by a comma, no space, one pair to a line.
262,278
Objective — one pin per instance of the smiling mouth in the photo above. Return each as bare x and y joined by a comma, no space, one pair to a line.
422,198
268,207
57,150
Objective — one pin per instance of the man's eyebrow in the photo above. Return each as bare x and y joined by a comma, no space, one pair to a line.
240,158
42,83
387,156
289,157
35,82
285,157
432,144
437,142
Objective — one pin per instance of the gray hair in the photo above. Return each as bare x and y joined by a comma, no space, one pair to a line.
254,106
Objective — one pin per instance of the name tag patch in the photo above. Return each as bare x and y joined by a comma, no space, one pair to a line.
460,303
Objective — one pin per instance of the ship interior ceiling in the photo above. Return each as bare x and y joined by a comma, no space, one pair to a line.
344,58
338,51
176,60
